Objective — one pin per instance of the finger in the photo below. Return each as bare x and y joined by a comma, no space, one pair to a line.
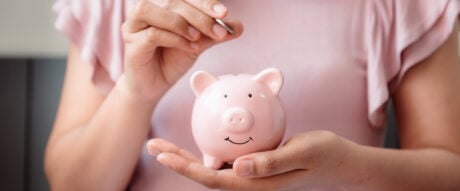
269,163
194,171
157,146
211,7
200,20
153,37
227,180
146,14
222,179
237,26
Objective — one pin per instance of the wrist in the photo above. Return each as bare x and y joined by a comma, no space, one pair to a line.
124,88
349,173
336,160
356,172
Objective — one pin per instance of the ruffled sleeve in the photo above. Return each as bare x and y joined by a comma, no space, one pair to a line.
402,33
94,27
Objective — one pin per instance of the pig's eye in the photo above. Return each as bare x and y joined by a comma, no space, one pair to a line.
250,95
225,95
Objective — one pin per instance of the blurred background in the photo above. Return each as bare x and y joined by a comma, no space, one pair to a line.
32,65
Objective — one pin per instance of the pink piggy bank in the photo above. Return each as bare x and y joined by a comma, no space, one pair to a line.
235,115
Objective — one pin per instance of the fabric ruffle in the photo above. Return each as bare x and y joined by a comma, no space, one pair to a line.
414,32
94,27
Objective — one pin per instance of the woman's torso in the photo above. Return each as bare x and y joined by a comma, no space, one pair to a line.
320,48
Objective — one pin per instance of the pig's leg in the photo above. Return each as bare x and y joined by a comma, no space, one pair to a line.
212,162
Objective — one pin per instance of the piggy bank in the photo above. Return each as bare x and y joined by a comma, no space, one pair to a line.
234,115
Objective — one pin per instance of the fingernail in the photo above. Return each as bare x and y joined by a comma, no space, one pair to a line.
219,31
219,8
154,151
195,34
163,159
245,168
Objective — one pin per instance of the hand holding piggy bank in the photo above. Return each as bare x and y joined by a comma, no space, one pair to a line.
236,115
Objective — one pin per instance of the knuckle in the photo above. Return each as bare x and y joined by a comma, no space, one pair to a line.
153,35
127,38
165,3
125,30
203,18
177,21
141,9
327,135
199,17
268,166
210,181
208,4
181,169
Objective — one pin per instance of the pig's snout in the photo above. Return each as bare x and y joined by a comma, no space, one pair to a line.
237,120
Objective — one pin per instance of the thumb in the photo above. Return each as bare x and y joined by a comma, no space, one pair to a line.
237,26
269,163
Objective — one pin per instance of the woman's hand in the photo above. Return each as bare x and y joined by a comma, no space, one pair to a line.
308,160
164,38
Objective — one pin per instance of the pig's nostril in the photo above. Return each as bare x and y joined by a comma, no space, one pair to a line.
234,120
237,120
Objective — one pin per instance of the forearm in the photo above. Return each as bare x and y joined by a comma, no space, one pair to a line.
388,169
102,154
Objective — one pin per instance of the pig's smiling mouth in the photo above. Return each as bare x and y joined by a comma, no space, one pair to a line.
237,143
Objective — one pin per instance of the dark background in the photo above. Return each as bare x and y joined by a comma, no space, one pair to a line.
29,96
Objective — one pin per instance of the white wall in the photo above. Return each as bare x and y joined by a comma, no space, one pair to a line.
27,29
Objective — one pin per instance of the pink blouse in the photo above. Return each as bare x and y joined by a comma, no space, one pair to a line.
342,60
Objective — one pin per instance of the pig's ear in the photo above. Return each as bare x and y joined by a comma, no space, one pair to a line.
272,77
200,81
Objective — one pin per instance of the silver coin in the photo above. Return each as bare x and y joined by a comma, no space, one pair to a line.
225,26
